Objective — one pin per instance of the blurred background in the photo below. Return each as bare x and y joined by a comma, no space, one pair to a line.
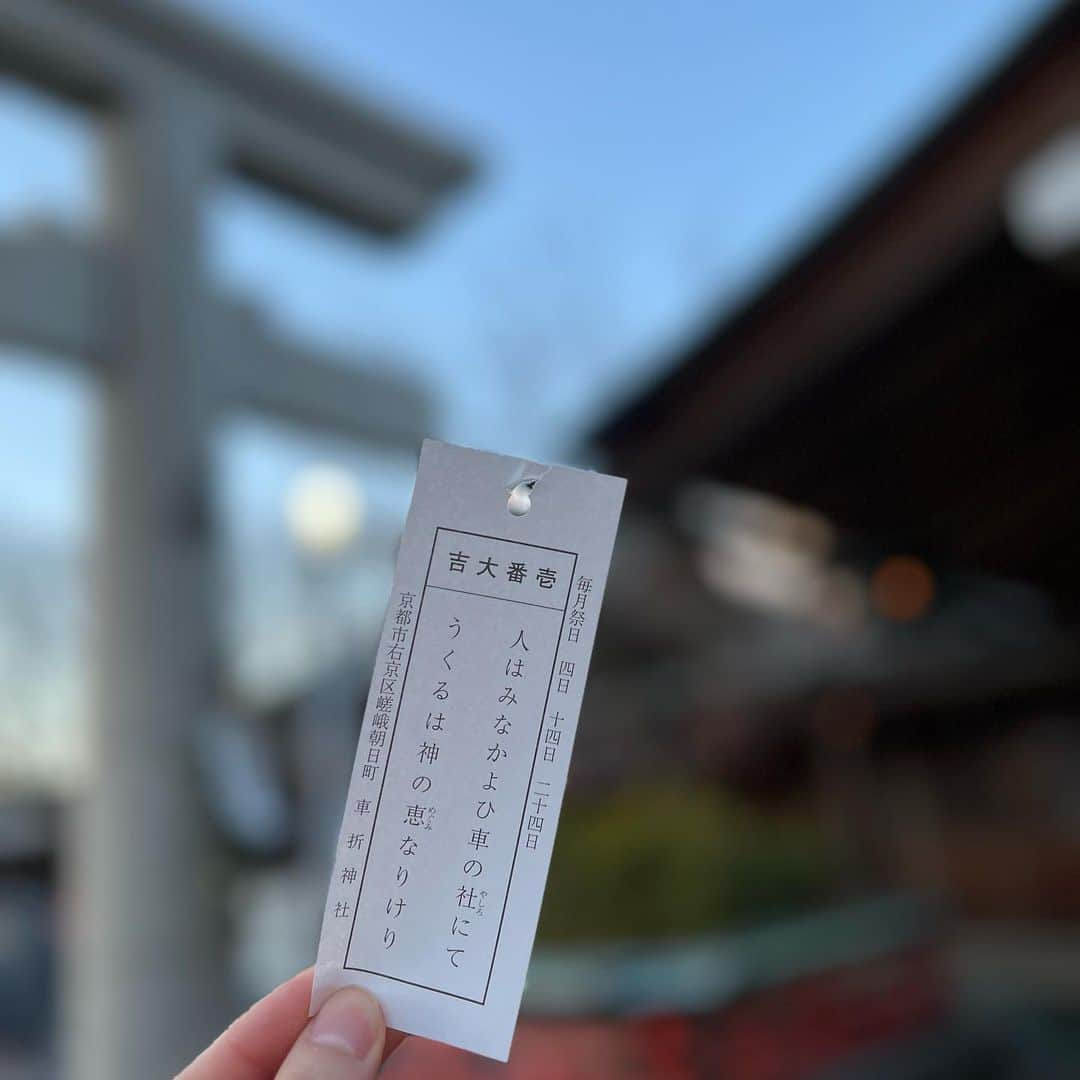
807,275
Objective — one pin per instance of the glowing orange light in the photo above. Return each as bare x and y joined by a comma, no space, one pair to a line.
902,588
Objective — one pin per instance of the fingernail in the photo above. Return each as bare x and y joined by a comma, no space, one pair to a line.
348,1023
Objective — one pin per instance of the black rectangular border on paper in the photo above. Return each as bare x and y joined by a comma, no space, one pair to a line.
532,770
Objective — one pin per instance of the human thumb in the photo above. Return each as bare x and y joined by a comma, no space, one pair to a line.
343,1042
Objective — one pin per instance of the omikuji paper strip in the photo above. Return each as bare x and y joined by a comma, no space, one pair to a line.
466,741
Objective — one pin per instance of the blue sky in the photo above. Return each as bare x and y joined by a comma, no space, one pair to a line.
642,166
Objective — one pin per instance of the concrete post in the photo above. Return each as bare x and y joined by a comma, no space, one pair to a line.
150,971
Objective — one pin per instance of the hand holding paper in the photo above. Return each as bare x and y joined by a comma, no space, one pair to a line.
347,1040
463,756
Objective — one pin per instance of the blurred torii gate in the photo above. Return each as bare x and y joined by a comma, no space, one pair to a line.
180,106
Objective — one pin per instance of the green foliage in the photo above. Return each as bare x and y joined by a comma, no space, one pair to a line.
671,860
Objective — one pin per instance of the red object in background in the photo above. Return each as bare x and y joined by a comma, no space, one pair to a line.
554,1050
666,1046
794,1030
788,1032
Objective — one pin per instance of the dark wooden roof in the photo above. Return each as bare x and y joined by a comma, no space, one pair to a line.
912,374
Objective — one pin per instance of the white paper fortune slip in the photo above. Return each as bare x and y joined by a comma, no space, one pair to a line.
466,742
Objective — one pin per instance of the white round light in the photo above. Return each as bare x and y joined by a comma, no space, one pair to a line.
324,510
1042,203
